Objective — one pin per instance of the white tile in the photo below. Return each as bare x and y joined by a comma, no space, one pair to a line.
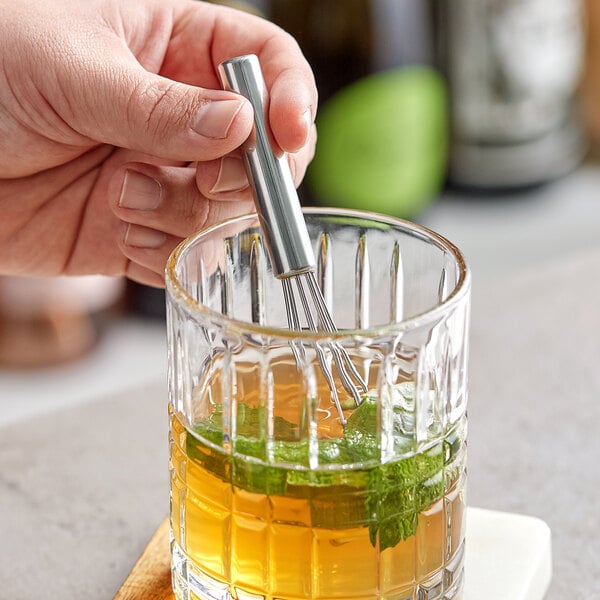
508,556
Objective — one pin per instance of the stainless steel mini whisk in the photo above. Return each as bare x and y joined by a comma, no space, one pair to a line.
284,230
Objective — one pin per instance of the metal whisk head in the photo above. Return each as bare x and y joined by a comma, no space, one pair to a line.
320,319
285,233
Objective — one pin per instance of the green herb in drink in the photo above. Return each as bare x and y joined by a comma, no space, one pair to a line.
392,493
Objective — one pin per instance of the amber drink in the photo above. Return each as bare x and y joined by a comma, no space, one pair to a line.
278,490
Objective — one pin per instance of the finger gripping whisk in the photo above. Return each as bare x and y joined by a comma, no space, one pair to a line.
285,232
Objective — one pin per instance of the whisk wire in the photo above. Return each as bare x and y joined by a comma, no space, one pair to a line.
293,320
321,356
340,355
338,351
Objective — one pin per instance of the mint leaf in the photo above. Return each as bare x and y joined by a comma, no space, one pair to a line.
257,477
386,497
399,491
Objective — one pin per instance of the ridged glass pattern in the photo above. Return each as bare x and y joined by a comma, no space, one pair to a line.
276,492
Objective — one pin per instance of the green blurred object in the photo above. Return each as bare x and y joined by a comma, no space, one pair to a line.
383,143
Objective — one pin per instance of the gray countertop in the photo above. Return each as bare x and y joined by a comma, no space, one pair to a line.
84,485
534,410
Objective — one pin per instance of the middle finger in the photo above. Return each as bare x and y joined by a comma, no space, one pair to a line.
168,200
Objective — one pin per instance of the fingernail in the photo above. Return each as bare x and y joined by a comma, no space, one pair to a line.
144,237
232,176
215,118
139,191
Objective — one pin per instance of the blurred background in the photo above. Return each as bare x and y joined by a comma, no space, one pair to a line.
477,118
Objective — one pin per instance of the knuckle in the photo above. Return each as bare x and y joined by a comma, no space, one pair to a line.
158,108
199,213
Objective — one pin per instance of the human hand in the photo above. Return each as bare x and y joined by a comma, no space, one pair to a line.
115,139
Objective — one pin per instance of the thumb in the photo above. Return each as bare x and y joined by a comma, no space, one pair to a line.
133,108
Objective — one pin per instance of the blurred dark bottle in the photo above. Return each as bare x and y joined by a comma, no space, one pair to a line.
382,118
513,68
144,301
345,40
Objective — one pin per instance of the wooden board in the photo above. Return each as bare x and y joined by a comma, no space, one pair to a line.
150,578
507,556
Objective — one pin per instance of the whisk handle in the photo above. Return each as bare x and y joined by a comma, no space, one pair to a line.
275,196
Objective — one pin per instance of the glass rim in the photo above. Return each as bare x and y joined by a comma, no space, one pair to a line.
194,307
